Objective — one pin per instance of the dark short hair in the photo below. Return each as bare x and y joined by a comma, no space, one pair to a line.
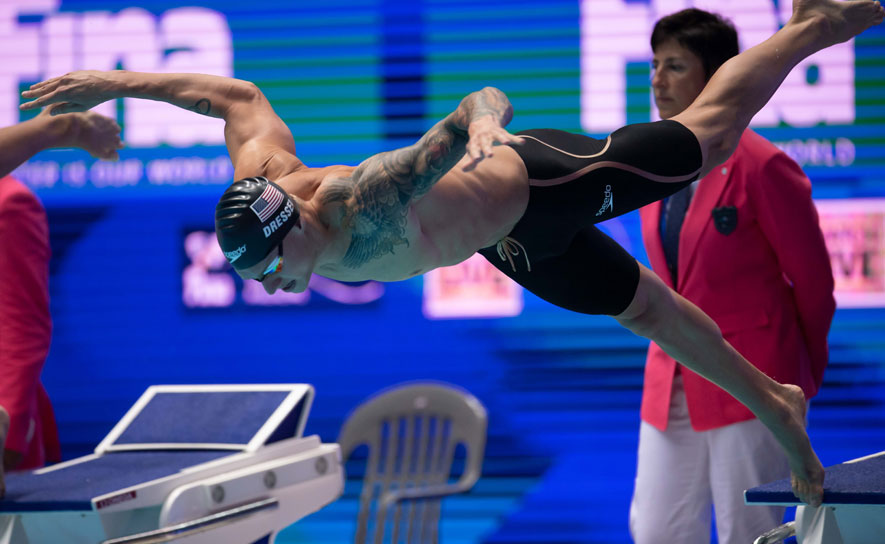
711,37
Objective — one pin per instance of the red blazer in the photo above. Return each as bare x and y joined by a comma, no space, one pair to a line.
25,324
767,284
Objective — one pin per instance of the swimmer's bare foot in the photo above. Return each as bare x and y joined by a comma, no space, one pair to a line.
807,476
4,430
837,21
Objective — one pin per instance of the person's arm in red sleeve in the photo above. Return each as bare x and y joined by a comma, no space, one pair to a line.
787,216
98,135
25,323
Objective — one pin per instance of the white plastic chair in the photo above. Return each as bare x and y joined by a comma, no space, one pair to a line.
412,431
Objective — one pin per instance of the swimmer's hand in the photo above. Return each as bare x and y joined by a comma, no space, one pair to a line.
484,133
72,92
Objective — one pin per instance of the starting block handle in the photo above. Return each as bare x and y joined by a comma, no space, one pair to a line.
778,534
198,525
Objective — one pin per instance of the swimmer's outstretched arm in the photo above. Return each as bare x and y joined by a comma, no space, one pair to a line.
255,135
96,134
82,90
375,199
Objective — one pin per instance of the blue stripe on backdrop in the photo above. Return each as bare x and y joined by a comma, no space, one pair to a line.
402,69
352,79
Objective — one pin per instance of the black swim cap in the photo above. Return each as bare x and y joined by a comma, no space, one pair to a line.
251,219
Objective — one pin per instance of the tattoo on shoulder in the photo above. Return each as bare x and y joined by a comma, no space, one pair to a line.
337,190
385,185
203,106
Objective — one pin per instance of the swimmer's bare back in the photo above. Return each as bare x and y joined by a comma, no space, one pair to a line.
404,212
377,238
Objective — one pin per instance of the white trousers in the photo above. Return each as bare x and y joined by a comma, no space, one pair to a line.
681,473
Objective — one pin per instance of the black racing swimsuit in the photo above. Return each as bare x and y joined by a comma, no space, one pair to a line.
555,251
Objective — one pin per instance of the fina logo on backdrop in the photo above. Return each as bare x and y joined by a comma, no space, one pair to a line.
44,43
616,32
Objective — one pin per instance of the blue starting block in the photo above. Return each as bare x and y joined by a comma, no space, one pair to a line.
196,464
853,509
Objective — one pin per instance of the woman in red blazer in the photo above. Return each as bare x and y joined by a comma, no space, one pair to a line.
751,255
28,437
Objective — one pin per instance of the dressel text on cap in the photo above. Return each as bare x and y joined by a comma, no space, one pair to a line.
278,221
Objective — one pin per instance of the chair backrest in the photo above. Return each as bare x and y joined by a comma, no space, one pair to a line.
412,431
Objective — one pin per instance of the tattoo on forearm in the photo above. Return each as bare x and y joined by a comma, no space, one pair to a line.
203,106
489,101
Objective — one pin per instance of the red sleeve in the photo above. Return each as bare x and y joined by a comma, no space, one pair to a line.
25,323
787,216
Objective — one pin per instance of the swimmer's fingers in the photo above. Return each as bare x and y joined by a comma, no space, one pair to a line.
482,143
56,104
40,92
474,152
505,138
497,137
81,90
43,99
48,84
487,144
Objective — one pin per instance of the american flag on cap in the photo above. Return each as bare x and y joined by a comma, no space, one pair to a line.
267,203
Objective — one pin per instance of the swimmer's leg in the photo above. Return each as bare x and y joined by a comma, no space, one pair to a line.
688,335
577,180
744,84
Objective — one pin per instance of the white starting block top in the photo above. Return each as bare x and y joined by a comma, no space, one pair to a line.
187,463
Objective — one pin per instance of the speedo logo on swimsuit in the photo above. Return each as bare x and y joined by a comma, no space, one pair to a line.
235,254
608,203
278,221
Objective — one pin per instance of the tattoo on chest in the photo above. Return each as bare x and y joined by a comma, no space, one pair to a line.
378,226
374,215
